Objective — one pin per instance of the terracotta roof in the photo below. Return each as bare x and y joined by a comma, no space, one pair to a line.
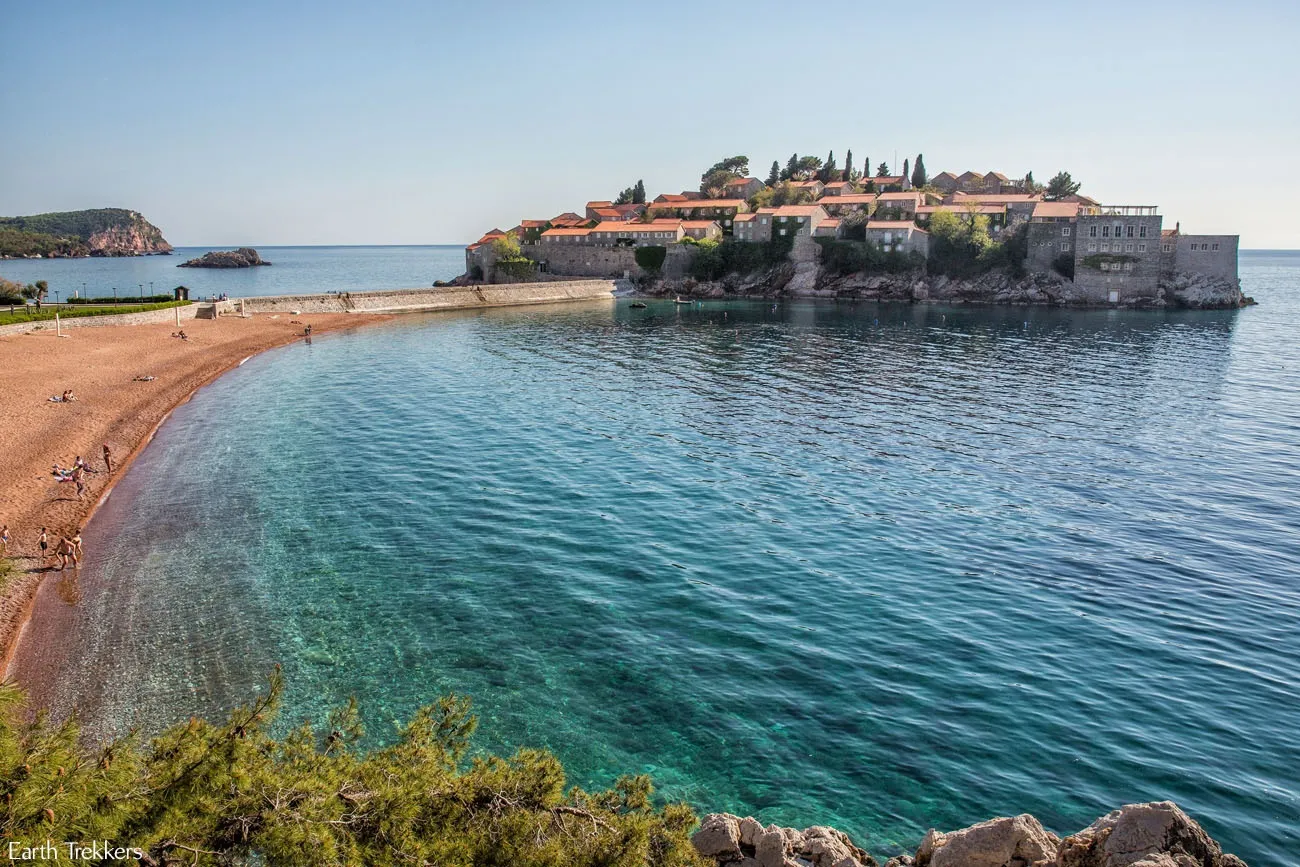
1056,209
998,175
833,222
894,224
633,226
961,208
739,181
629,208
700,203
699,224
848,199
600,204
668,197
898,197
793,210
533,224
745,218
805,183
996,197
608,212
1168,233
970,175
944,175
886,180
565,231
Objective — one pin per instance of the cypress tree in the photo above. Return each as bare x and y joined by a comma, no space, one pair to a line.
791,167
829,171
919,178
907,169
638,193
848,165
774,176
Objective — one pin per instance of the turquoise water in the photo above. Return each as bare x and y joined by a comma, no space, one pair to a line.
294,270
880,567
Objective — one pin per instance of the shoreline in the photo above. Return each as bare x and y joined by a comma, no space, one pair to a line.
129,426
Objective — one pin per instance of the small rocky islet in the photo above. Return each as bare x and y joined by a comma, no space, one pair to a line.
243,257
1155,834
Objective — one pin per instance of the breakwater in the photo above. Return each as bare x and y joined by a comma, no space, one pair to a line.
435,298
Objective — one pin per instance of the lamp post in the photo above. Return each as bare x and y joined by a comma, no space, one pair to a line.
150,288
114,294
83,290
141,293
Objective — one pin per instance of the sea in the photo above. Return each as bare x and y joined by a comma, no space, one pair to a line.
877,566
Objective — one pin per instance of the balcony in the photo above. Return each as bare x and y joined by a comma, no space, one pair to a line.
1117,210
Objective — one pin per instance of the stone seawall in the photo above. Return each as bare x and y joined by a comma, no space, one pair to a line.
147,317
438,298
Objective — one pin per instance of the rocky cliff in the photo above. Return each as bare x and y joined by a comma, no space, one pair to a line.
809,280
244,257
1158,834
97,232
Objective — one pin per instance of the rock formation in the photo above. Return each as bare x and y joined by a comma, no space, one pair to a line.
1157,834
98,232
244,257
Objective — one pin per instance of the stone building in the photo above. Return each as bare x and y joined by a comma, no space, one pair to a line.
845,203
791,220
1051,237
898,206
635,234
898,236
743,188
1210,255
1117,251
702,229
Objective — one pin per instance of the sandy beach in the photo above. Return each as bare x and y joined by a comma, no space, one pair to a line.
100,365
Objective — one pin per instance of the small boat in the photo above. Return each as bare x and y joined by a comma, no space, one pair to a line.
680,301
637,305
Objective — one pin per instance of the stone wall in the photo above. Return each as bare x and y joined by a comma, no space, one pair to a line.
1141,250
1045,245
1208,255
147,317
440,298
611,263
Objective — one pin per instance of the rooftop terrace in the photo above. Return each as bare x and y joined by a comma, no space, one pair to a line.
1117,211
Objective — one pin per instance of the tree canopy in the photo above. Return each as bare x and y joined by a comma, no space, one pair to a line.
634,195
715,178
216,794
919,177
1060,186
882,170
774,176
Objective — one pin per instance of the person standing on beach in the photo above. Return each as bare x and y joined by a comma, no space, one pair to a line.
108,459
76,543
4,539
66,552
79,476
44,544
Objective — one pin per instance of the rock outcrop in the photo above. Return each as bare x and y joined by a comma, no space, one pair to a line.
807,279
73,234
244,257
1158,834
747,843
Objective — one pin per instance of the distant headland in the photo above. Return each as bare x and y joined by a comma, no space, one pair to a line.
77,234
815,229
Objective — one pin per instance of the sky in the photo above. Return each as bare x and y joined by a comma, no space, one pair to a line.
420,123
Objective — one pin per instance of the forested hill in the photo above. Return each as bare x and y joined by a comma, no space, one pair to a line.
97,232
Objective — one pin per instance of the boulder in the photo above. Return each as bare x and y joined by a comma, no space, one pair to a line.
750,830
718,837
1156,834
771,848
1017,841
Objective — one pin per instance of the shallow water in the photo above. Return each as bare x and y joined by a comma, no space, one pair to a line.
880,567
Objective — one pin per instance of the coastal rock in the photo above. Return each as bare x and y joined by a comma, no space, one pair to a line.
718,838
1201,291
1018,841
1156,834
731,841
244,257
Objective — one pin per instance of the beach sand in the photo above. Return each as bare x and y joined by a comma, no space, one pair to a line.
98,364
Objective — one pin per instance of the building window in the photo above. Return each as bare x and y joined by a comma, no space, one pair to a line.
1166,248
1214,246
1128,266
1092,231
1065,230
1142,248
1128,248
1065,246
1142,231
1105,266
1118,228
1105,231
1092,248
1130,231
1105,248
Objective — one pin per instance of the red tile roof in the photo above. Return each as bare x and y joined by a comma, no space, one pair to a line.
848,199
699,224
1056,209
793,210
959,197
565,231
893,224
533,224
898,197
600,204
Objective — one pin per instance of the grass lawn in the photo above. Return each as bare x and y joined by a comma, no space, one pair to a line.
71,311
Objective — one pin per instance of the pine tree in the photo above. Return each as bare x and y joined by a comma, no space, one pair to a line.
829,172
848,165
882,170
791,167
774,176
638,193
919,178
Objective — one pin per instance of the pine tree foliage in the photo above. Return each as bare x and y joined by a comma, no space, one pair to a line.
209,794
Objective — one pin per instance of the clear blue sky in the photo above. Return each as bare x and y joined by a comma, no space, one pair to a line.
380,123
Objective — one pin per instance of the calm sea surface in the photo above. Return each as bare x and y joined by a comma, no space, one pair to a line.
293,270
880,567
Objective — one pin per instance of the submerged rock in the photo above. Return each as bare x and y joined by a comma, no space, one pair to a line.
244,257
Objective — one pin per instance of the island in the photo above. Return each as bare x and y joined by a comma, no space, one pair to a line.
815,229
244,257
77,234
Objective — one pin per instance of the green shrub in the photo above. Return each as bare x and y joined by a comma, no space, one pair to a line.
651,258
124,298
205,793
46,313
1063,264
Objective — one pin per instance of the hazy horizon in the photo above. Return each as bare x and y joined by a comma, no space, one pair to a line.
387,125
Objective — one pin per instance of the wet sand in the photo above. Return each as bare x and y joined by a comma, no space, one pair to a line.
99,365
